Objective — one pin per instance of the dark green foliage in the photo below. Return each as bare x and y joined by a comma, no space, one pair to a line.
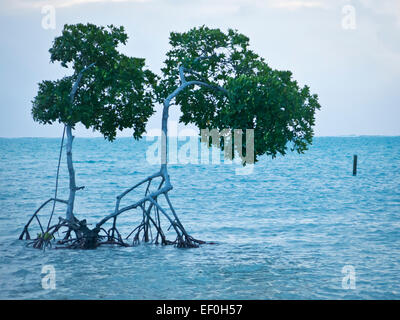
260,98
116,93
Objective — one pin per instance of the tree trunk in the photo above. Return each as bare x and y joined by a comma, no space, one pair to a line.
71,171
70,139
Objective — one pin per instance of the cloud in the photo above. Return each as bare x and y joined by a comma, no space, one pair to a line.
275,4
296,4
32,4
384,7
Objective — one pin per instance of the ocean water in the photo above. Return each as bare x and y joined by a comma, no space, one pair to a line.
286,231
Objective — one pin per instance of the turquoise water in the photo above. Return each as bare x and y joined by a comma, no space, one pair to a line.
283,232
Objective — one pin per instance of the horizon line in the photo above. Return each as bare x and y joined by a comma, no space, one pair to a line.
144,136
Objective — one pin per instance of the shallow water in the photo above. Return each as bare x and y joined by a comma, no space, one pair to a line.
283,232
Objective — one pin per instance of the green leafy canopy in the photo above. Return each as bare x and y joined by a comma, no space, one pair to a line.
116,93
119,92
258,97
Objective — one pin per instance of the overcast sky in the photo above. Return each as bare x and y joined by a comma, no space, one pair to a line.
350,58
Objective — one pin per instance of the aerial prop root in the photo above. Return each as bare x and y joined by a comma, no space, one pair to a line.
77,235
152,211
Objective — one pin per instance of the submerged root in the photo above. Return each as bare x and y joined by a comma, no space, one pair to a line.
77,235
150,229
190,242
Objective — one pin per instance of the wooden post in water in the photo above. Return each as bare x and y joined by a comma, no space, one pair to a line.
355,165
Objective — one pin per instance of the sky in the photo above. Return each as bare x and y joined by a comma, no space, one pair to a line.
348,52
